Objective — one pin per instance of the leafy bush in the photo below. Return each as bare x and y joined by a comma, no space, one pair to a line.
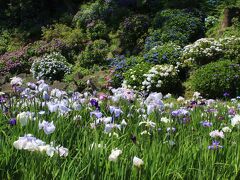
154,39
18,61
133,77
71,37
95,53
178,26
76,76
231,48
51,66
8,42
183,3
168,53
131,29
210,21
203,51
120,65
216,78
90,12
162,78
97,30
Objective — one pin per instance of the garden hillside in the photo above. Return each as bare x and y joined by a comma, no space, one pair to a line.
119,89
146,45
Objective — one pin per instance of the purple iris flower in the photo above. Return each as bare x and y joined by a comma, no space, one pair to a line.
116,111
2,99
212,110
45,96
226,94
180,112
94,102
215,145
193,103
231,111
171,129
98,114
206,124
13,121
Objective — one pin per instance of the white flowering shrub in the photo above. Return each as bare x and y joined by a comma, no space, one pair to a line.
210,21
51,66
202,51
161,78
231,47
133,78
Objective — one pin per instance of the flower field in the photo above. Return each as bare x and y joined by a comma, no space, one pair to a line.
48,133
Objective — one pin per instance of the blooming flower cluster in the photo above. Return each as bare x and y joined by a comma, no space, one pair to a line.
154,102
31,143
159,78
123,93
123,116
202,51
52,66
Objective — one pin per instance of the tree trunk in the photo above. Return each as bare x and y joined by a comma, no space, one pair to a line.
229,14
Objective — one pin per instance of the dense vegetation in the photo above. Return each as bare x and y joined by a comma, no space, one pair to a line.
124,57
109,38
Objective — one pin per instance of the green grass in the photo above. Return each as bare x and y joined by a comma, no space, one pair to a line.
189,158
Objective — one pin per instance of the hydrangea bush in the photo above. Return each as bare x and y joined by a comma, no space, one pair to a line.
120,65
97,30
91,11
51,66
95,53
169,53
216,78
162,78
179,26
231,48
133,78
202,51
158,78
131,29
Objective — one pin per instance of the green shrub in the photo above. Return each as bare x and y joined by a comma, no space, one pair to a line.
183,3
178,26
231,48
131,30
76,76
51,66
168,53
71,37
216,78
95,53
134,77
120,65
90,12
8,42
97,30
210,22
203,51
162,78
